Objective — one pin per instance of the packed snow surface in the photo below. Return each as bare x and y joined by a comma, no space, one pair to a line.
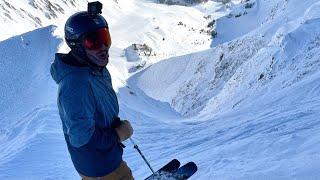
243,104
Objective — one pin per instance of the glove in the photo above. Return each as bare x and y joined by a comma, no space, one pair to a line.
124,130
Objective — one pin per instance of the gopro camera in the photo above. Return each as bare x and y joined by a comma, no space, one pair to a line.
94,8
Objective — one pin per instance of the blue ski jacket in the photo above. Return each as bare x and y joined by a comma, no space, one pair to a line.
87,106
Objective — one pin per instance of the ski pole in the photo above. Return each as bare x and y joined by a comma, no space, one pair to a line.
145,160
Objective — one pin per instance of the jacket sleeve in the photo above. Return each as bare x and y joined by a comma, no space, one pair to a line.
78,108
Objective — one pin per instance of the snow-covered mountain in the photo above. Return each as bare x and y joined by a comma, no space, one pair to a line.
246,108
20,16
181,2
243,66
255,97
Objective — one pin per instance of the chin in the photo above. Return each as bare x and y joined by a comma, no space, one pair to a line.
103,62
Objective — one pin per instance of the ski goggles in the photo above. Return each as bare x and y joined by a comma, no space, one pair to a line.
95,39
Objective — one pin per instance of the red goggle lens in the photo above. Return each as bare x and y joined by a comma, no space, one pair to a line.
94,40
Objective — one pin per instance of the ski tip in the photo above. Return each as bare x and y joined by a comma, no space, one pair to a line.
192,164
175,160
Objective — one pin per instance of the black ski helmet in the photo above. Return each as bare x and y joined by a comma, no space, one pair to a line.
83,22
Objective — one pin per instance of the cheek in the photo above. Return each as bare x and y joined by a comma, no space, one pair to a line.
91,53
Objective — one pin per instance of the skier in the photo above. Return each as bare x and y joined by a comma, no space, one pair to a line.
87,103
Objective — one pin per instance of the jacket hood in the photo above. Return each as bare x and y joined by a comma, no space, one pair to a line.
60,70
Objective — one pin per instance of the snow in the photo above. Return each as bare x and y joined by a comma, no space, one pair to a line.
20,16
246,108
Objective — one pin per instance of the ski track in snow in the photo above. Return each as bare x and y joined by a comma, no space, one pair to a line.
249,127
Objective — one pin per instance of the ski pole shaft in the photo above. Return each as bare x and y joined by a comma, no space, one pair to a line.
145,160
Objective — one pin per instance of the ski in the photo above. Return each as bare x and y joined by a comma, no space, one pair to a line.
169,168
185,171
171,171
172,166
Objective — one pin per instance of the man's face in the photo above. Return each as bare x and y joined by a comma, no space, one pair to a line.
100,57
97,44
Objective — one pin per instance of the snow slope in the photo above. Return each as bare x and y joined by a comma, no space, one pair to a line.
245,109
252,103
30,129
228,68
20,16
29,126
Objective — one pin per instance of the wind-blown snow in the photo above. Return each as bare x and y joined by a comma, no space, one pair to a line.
28,125
247,108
